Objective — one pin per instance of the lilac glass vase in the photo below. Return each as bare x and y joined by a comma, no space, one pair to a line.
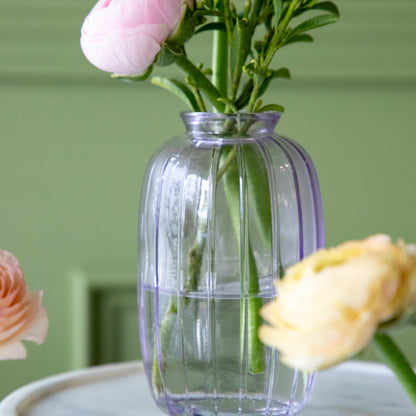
225,208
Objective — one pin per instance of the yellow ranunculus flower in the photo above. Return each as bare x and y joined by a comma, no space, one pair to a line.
330,304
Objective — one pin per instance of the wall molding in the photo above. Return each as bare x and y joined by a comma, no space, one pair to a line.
102,303
372,39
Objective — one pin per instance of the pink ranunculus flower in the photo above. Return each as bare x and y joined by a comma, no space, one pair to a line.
124,36
21,315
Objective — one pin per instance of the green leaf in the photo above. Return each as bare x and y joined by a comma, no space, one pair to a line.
313,23
328,6
134,77
211,26
303,37
244,97
273,74
272,107
260,46
278,6
280,73
168,54
229,103
253,70
185,28
178,88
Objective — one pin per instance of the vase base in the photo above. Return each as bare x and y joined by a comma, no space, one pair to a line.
225,406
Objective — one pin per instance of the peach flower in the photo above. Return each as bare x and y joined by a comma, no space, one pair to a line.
21,315
330,305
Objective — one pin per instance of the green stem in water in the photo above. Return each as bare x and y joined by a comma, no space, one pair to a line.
202,81
250,299
397,362
255,346
167,324
165,330
227,162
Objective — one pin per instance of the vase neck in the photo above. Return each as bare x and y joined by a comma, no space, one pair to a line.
230,125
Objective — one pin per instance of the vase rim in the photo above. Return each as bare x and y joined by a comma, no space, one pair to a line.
203,115
218,124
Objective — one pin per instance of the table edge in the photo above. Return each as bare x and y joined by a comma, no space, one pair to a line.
25,397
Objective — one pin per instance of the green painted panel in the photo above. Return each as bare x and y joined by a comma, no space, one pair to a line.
115,331
375,38
103,317
73,158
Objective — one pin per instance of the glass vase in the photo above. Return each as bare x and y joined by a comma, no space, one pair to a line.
225,208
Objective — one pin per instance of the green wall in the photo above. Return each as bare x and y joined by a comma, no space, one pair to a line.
74,145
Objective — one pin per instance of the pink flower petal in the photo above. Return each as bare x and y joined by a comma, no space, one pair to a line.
171,11
21,317
9,258
14,350
12,331
128,53
120,16
38,329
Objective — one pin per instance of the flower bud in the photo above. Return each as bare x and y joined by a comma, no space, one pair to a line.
124,36
185,28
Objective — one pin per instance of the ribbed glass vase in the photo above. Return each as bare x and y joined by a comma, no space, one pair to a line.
224,210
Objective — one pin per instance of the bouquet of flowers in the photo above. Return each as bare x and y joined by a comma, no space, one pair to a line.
333,303
128,38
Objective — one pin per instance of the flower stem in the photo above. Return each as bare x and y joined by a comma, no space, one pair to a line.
250,301
397,362
220,61
227,162
279,32
272,48
245,47
199,100
253,96
202,81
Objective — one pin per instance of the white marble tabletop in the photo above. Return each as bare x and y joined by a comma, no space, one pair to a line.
351,389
